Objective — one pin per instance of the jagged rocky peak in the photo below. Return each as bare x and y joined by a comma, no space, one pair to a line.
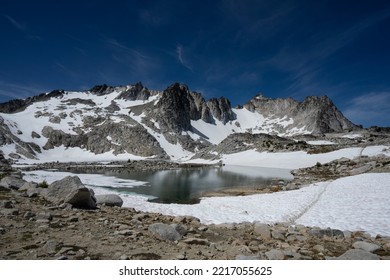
135,92
221,109
268,106
178,106
317,114
102,89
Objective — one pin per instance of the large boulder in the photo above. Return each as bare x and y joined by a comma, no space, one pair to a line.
109,199
11,182
70,190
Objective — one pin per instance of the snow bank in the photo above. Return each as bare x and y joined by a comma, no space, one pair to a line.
320,142
299,159
352,203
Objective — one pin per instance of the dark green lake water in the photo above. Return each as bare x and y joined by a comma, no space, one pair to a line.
187,185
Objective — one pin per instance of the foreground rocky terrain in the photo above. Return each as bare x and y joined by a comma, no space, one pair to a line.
42,222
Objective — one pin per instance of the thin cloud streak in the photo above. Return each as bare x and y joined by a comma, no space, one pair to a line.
372,108
304,65
121,47
16,91
179,55
15,23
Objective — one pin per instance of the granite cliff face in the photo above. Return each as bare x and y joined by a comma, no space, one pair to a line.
317,113
177,123
178,106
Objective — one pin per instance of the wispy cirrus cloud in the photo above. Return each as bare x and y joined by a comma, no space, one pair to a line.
130,62
16,23
304,65
369,109
180,57
13,91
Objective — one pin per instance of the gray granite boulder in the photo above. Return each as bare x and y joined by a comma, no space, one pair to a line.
165,232
70,190
109,200
358,254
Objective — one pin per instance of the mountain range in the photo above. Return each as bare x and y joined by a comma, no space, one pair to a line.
134,122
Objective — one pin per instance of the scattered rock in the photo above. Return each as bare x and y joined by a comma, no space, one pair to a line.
11,182
124,257
263,230
28,215
318,248
6,204
197,241
50,246
326,232
125,232
9,212
109,200
164,232
180,229
358,254
181,257
28,186
366,246
275,254
246,258
73,219
35,135
203,228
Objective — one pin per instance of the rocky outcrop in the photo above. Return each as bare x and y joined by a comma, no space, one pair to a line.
5,165
136,92
17,105
119,137
102,89
239,142
26,149
178,106
11,182
221,109
317,114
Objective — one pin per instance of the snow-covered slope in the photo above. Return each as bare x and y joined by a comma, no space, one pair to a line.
132,122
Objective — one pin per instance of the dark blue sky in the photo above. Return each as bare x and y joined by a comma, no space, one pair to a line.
219,48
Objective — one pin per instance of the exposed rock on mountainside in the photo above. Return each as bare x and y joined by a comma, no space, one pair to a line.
239,142
18,105
318,114
106,136
28,150
137,92
176,123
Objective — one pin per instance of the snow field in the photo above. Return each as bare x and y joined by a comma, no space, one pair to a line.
352,203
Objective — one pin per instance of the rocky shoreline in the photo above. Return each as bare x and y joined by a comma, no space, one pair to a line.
32,226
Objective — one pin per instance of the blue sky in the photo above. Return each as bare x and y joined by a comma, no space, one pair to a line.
219,48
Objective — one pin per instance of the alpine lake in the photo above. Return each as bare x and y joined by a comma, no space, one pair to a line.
187,185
